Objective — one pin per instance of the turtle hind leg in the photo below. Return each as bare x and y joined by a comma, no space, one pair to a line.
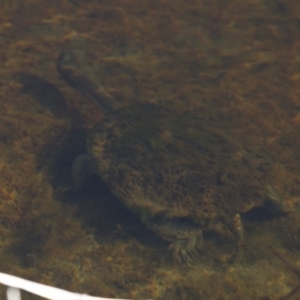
185,236
185,250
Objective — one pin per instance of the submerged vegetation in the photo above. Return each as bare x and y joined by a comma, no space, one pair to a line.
169,53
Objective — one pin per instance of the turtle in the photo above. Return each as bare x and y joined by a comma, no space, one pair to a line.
181,176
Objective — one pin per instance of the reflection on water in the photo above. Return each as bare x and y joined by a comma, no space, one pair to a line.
234,66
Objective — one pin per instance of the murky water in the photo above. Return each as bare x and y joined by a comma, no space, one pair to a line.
233,64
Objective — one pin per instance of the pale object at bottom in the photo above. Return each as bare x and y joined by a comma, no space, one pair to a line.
15,283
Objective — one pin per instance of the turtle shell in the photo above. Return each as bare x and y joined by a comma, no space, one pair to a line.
161,164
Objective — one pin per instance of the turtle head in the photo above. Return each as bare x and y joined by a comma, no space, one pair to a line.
74,74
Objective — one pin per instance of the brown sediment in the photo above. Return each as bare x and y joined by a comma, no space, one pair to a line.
293,268
168,52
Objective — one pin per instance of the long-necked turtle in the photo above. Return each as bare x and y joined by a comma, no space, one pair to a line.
179,176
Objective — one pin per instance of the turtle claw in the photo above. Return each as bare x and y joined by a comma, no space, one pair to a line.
187,250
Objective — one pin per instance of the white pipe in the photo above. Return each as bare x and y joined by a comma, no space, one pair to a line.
14,283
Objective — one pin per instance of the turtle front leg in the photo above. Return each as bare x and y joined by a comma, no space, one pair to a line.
82,169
